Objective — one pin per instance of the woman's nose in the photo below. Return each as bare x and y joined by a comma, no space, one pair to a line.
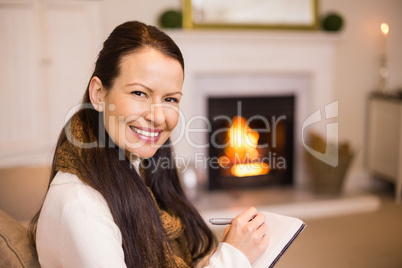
156,114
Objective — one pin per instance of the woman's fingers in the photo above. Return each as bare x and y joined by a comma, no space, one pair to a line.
245,216
258,228
249,221
248,233
257,220
261,230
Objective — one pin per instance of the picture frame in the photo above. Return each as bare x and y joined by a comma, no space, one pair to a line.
250,14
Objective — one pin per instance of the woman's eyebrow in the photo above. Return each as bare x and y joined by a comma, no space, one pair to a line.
151,90
174,93
139,84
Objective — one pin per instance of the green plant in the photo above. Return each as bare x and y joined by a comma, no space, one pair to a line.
170,19
332,22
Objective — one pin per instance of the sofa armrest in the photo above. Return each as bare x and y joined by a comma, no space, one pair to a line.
15,249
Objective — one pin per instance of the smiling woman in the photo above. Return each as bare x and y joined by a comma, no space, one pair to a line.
141,109
110,203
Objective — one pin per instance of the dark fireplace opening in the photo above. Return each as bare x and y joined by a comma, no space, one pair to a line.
251,139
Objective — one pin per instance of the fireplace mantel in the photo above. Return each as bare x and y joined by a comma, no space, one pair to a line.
221,51
259,51
209,35
234,53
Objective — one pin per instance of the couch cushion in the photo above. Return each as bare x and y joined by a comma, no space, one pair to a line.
15,249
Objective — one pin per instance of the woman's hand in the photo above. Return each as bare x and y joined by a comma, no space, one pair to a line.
247,233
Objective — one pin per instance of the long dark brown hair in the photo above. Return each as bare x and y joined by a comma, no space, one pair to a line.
125,192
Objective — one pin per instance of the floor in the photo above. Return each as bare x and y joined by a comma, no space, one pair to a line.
366,240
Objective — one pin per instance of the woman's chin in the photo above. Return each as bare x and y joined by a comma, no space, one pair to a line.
143,154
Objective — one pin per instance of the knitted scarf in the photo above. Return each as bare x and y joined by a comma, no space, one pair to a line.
66,161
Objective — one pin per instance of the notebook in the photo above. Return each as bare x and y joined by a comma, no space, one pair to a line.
282,230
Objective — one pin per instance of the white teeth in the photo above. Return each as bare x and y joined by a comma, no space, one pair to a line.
145,133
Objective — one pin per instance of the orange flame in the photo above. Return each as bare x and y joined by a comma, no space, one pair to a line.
242,150
242,140
250,169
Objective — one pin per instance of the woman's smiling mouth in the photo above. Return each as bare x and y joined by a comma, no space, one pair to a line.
146,134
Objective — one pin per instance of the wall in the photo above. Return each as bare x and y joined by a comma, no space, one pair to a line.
22,191
119,11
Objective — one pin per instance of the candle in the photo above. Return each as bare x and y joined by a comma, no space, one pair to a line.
385,30
383,68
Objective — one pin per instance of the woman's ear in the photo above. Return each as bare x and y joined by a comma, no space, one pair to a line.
96,93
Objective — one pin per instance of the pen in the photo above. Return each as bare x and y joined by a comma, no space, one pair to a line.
223,221
220,221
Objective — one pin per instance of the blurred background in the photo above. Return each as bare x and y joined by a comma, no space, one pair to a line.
48,49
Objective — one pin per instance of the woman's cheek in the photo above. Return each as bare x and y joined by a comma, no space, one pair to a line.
172,117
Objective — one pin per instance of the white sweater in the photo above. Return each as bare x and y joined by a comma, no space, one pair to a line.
76,229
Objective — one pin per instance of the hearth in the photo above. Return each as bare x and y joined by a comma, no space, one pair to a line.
252,139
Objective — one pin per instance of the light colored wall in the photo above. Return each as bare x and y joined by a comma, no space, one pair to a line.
119,11
22,191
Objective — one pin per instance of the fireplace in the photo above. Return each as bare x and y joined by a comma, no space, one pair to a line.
229,64
252,140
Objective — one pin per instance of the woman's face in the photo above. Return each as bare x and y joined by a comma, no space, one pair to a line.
142,107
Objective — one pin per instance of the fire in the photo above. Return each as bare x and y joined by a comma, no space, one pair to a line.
251,169
242,150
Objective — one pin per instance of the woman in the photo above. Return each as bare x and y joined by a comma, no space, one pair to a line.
109,203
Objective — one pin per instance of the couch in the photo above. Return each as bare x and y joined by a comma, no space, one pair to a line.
22,190
15,249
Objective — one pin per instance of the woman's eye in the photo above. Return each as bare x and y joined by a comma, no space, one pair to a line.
139,93
171,100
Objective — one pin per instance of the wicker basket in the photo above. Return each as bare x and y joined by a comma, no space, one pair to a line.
323,178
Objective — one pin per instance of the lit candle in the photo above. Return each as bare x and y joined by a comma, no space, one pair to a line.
385,30
384,69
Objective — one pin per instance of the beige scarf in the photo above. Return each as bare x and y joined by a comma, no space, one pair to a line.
66,161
